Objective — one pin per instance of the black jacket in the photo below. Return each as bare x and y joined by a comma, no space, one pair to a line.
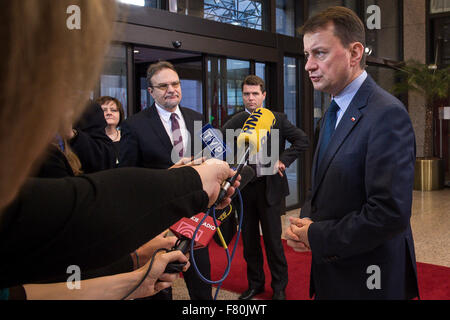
91,220
92,146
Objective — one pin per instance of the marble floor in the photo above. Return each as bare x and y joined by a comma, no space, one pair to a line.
430,222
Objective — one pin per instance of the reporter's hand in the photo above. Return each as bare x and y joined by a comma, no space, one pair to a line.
213,173
156,280
160,241
188,161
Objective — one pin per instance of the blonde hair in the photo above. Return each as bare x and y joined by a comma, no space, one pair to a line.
46,70
72,158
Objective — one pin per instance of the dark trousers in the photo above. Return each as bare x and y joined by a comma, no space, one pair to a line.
257,210
198,289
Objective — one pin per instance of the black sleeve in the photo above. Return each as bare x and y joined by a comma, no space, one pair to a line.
91,220
55,165
129,152
124,264
92,146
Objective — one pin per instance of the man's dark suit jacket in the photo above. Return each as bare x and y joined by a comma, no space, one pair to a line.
277,188
361,202
144,141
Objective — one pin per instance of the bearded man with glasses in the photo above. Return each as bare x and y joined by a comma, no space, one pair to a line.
159,136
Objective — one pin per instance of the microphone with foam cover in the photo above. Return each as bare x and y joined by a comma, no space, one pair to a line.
212,144
256,130
184,230
254,134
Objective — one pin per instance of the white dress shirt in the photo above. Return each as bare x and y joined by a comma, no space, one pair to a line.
345,97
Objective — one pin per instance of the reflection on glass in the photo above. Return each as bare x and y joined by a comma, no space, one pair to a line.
190,74
237,70
290,109
142,3
225,78
285,17
260,71
214,94
319,5
321,103
245,13
146,99
113,80
192,94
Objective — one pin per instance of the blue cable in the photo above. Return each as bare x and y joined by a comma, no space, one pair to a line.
229,259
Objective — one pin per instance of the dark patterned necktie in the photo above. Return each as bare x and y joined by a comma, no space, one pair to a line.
176,134
328,129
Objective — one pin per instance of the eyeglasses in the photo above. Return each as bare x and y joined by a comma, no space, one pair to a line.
165,86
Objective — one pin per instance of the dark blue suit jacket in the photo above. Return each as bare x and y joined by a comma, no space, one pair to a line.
145,143
361,202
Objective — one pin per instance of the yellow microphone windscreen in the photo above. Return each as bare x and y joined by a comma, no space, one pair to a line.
256,129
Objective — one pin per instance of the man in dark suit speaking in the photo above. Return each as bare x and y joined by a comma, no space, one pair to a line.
158,137
357,220
264,197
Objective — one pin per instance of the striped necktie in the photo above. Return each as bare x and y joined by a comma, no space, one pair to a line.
176,134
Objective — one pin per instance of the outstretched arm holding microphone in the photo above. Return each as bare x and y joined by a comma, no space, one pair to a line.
112,287
47,225
94,220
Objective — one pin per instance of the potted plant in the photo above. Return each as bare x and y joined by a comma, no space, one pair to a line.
433,84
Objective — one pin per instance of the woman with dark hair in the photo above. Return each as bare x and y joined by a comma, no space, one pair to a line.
114,115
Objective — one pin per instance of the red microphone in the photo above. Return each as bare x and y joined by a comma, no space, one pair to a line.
184,229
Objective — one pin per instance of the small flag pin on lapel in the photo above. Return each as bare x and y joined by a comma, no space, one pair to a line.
353,119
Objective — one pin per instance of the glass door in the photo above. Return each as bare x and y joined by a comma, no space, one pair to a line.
224,78
224,94
291,100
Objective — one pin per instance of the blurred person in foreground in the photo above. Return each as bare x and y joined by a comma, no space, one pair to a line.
55,223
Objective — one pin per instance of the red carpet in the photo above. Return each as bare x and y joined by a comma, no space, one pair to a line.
434,281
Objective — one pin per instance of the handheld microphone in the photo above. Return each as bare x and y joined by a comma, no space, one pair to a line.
212,142
254,134
247,175
184,230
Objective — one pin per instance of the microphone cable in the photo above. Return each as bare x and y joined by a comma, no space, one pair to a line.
203,278
152,260
229,258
